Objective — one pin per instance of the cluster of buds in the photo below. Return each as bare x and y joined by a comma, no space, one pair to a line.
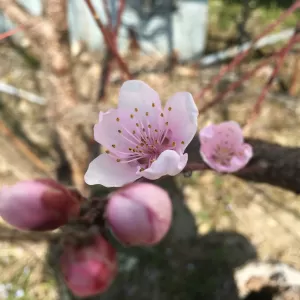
142,140
139,214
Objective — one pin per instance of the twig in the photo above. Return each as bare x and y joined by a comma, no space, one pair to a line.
234,85
9,89
281,56
108,14
10,32
5,131
108,40
238,59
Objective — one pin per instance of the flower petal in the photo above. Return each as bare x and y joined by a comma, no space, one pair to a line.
106,171
181,113
135,94
168,163
110,130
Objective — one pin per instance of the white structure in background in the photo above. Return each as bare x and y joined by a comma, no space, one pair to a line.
160,25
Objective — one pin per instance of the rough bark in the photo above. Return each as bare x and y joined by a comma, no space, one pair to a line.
49,36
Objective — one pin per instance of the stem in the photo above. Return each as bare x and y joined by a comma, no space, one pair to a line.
109,40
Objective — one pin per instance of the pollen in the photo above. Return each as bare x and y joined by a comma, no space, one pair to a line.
114,146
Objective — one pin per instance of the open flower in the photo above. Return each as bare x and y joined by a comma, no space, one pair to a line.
223,147
142,139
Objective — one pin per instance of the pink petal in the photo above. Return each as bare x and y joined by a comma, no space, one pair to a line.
107,171
129,220
168,163
240,161
137,94
106,131
207,133
182,113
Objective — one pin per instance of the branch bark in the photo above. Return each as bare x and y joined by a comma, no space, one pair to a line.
272,163
50,36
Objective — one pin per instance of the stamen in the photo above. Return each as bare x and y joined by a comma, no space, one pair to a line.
118,119
131,116
114,146
167,123
170,108
182,142
136,110
120,131
162,115
153,104
147,114
107,151
118,160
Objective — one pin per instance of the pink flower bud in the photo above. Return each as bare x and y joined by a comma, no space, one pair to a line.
89,269
139,214
37,205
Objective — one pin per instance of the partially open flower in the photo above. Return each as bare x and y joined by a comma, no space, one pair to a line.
223,148
89,269
139,214
37,205
142,139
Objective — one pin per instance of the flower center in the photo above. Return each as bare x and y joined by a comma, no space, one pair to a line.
147,136
223,155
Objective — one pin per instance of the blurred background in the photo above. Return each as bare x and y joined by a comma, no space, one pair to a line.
231,238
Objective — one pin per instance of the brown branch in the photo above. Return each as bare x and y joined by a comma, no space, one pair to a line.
49,35
272,163
109,40
280,60
239,58
5,131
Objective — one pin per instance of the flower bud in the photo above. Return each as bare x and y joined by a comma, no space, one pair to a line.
139,214
89,269
37,205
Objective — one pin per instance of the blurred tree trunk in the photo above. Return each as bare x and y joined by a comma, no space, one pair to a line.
49,36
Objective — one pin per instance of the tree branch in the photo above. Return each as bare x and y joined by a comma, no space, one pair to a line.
272,163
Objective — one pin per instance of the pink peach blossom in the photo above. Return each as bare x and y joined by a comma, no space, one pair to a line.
142,139
37,205
139,214
223,147
89,269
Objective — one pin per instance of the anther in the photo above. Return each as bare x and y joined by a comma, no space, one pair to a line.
114,146
136,110
170,108
118,119
120,131
131,116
